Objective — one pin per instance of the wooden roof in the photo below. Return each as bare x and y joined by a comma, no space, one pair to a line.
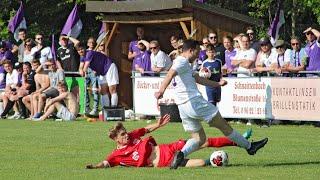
159,11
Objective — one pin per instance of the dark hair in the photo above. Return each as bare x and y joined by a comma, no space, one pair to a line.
189,44
113,132
36,61
23,30
210,47
80,46
7,62
39,34
27,64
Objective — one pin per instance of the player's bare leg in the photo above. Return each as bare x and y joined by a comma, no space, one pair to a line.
114,95
105,100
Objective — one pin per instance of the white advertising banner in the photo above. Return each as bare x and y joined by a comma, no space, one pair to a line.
246,98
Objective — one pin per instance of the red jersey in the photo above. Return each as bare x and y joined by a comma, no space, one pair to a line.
135,153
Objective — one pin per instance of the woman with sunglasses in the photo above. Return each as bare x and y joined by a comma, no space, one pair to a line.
27,56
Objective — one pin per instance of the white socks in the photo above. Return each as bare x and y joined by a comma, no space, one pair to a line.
239,140
114,100
190,146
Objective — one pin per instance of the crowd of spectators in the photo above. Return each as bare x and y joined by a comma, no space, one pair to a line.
33,83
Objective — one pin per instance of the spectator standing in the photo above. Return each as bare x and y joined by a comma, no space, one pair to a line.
134,50
313,49
215,65
40,51
218,47
229,53
297,56
245,58
142,62
27,54
202,54
160,61
254,44
67,56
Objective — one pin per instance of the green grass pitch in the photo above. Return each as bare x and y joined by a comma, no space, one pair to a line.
60,150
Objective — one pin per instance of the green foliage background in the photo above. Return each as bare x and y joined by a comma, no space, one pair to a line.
49,16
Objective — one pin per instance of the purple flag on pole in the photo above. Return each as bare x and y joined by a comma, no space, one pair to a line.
18,21
277,22
53,48
73,25
102,33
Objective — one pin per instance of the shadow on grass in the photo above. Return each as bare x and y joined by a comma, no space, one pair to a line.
278,164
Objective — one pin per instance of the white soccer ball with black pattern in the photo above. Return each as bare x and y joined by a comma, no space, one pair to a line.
205,72
219,159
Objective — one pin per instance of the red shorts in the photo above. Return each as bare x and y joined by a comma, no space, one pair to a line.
167,152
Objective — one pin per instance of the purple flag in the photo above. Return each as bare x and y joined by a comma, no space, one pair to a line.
53,49
102,33
73,25
277,22
18,21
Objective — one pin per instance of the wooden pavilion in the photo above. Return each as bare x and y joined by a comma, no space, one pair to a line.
161,19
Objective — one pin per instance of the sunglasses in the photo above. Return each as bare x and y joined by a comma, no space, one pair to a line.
309,33
28,45
213,37
153,48
101,44
294,44
249,33
39,38
279,47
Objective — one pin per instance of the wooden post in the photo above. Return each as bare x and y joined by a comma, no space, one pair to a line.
185,29
193,28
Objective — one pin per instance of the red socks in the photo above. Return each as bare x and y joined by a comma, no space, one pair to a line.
220,142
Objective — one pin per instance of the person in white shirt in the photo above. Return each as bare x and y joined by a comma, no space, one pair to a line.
11,84
193,107
244,58
40,51
160,61
27,55
267,57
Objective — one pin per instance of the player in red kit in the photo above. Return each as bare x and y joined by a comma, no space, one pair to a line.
132,150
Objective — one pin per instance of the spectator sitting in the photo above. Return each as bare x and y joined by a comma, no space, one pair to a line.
42,82
40,51
142,62
55,75
67,56
27,87
67,111
244,58
214,64
27,54
267,57
11,87
160,61
297,56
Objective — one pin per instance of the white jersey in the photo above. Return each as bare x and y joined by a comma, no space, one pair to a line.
248,55
45,53
161,60
184,84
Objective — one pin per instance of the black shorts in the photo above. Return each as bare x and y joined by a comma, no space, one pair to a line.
51,92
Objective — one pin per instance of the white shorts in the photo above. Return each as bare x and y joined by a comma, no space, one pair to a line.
65,114
111,78
195,110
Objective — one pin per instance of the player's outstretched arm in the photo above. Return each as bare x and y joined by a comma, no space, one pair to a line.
165,83
97,166
161,122
207,82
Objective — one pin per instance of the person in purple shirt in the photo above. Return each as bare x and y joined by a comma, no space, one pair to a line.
134,51
202,54
142,62
313,49
5,54
230,53
105,69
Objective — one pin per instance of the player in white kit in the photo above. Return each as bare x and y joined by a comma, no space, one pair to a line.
193,107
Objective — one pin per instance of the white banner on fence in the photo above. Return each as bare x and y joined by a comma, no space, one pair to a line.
254,97
246,98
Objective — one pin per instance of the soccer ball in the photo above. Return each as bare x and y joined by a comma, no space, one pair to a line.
219,158
205,72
